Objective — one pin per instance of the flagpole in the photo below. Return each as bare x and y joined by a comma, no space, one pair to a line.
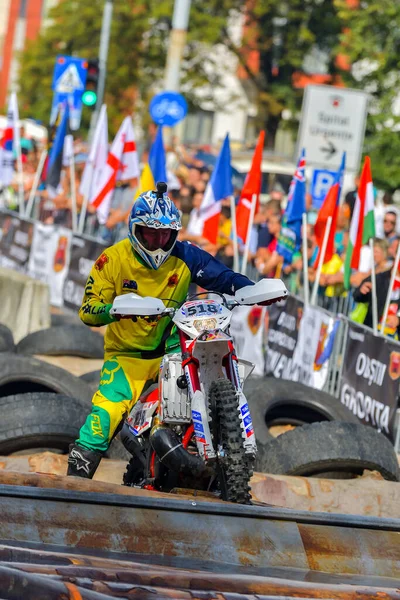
235,239
82,216
35,185
249,228
392,278
305,262
20,178
73,193
373,291
321,260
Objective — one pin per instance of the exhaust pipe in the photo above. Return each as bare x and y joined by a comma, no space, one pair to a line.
173,455
131,443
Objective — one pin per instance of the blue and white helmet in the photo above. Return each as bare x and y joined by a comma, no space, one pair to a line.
153,226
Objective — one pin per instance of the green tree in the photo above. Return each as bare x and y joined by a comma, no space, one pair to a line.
75,30
282,32
371,38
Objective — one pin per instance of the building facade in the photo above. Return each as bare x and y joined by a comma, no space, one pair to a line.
20,20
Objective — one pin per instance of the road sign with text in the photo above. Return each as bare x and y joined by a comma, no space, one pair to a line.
332,122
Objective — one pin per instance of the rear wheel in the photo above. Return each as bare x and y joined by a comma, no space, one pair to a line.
234,466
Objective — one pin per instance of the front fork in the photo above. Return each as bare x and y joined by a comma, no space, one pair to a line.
199,402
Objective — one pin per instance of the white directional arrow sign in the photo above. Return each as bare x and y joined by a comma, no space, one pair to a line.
332,122
69,81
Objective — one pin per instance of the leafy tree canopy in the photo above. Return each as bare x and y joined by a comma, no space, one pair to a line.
371,38
280,39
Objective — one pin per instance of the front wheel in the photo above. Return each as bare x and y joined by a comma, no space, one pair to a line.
234,466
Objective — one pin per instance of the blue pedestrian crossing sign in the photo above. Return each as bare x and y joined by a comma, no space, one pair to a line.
321,182
69,80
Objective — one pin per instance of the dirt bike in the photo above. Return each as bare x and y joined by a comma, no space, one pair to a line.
193,428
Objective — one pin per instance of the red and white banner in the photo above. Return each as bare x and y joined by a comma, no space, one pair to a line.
97,157
122,164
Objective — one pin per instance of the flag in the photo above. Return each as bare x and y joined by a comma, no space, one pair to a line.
362,226
329,208
122,164
51,134
157,159
146,182
68,151
9,143
155,170
290,237
56,156
218,188
97,158
252,186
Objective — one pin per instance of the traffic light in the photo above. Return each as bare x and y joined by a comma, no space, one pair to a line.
89,96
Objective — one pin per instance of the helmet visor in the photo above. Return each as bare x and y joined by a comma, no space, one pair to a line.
155,239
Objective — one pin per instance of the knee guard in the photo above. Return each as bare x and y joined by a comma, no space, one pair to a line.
83,462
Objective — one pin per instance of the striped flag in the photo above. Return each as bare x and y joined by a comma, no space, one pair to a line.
122,165
362,227
252,186
219,187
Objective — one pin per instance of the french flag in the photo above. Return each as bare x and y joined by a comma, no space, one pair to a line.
219,187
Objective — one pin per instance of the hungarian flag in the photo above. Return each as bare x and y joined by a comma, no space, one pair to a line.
219,187
329,208
362,227
122,165
251,189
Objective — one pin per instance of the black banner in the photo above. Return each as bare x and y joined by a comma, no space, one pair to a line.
283,329
84,252
15,242
370,378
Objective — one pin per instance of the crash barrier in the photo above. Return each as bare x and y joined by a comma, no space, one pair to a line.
331,353
48,253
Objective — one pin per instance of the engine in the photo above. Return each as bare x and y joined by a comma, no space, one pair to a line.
175,401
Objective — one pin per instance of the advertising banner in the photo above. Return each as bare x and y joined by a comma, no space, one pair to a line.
84,252
314,333
283,329
49,258
370,378
247,329
15,242
300,342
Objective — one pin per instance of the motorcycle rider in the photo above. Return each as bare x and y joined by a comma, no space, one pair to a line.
149,262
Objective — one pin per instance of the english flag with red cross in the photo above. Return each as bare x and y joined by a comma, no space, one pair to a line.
122,165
